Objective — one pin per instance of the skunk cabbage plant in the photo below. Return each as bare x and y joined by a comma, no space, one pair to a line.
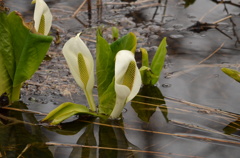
42,17
22,51
80,62
117,73
118,77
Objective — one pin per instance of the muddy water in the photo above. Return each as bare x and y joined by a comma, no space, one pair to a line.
198,116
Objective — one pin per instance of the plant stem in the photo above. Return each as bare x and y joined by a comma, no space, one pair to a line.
90,100
15,93
117,110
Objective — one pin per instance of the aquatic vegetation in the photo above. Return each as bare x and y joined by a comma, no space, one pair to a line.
232,73
115,33
118,77
22,51
151,73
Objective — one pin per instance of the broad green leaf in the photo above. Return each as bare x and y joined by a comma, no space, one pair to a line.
5,79
127,42
145,61
158,60
29,49
21,53
232,73
104,65
107,101
66,110
146,102
6,48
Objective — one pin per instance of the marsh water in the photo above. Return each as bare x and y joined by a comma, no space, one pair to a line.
193,111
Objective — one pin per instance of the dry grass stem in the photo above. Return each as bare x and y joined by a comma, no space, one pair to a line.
218,21
79,8
211,54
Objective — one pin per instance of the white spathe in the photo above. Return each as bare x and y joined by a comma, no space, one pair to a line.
71,49
123,93
41,9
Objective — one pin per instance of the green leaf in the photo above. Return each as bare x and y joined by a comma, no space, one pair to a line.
5,79
115,33
29,49
146,102
104,65
21,53
145,61
107,101
127,42
66,110
158,60
232,73
147,75
7,57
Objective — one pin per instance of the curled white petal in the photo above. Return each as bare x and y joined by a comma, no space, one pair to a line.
71,49
41,8
123,93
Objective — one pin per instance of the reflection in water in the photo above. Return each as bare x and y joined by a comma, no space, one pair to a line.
147,101
232,127
19,139
115,138
188,2
88,139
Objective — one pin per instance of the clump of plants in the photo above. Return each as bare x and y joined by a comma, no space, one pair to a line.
23,46
117,76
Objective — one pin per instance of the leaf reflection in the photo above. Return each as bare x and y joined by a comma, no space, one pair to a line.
232,127
147,101
19,139
87,138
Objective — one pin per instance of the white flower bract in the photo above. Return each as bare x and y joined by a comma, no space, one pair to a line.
127,80
42,17
71,50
